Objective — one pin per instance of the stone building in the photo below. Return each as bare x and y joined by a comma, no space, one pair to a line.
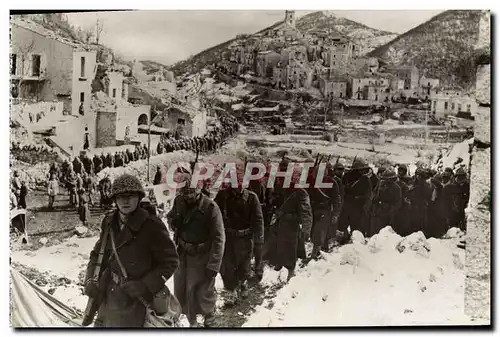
407,73
452,102
336,87
47,67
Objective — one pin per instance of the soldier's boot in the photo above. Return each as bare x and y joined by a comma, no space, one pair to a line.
315,253
193,323
231,298
278,268
209,321
243,290
291,273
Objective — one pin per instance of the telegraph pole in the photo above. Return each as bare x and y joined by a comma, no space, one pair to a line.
426,124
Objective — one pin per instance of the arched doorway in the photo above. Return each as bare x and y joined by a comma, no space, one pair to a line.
143,120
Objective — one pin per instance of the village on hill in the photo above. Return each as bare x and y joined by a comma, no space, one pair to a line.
82,116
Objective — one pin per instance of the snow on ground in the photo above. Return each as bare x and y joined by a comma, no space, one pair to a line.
368,282
374,284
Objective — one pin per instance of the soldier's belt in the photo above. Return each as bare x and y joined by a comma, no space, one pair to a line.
194,248
238,233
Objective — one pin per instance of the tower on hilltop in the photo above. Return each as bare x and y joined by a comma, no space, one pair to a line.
290,18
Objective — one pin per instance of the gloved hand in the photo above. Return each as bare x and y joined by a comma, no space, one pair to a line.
210,273
134,289
91,288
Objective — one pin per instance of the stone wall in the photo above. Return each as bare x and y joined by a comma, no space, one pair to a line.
478,241
106,129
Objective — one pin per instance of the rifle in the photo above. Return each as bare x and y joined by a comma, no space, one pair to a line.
93,303
193,164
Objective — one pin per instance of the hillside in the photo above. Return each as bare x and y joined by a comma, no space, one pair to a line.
152,66
368,37
442,47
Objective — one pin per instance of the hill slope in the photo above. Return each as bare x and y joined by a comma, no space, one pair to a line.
369,38
442,47
366,37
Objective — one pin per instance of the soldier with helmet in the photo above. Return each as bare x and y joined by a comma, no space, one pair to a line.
401,221
419,195
386,202
357,199
140,257
199,232
244,226
460,193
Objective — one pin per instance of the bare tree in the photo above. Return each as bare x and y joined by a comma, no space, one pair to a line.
99,28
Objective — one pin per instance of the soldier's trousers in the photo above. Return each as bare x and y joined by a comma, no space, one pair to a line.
353,216
418,218
236,262
381,217
321,228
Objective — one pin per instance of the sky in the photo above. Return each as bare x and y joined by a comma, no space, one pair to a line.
169,36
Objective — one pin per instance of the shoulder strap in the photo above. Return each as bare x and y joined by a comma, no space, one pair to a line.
100,257
113,245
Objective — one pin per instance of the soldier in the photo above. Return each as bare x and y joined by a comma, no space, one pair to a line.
438,214
139,257
105,191
126,158
244,228
460,199
103,160
419,195
401,221
71,182
54,170
117,160
77,165
97,163
357,199
293,221
199,232
87,164
159,148
325,205
338,171
168,146
88,186
157,178
146,151
137,153
386,202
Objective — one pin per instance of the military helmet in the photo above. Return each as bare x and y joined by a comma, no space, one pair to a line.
420,171
461,172
338,166
389,174
127,183
359,164
403,168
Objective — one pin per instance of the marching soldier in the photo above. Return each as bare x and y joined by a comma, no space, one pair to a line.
326,210
386,202
77,165
293,224
138,257
97,163
244,226
401,221
460,199
199,232
357,200
419,195
87,163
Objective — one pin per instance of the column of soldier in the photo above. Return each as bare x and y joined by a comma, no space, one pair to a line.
212,141
273,224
